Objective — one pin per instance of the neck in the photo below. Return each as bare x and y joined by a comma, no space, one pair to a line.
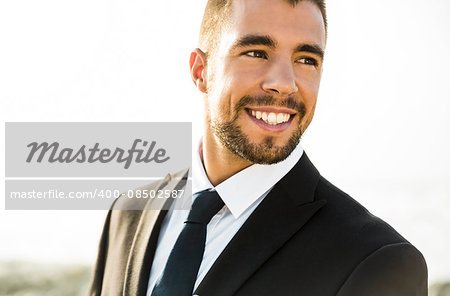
219,162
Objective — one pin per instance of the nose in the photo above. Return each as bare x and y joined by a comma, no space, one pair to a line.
280,79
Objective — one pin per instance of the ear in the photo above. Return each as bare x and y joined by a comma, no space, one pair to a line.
197,64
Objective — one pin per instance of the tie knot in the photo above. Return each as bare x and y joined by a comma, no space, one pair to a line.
206,204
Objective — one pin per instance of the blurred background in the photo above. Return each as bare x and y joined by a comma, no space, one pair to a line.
381,130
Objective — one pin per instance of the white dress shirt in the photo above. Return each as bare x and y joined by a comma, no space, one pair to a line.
241,193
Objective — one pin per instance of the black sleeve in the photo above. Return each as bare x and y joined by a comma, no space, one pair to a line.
397,270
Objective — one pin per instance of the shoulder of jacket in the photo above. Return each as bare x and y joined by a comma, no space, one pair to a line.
394,269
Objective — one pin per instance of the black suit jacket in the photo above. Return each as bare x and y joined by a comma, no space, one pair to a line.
305,238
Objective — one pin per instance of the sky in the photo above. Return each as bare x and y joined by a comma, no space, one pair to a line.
381,130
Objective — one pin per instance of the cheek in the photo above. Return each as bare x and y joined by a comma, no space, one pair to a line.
217,103
309,90
217,97
243,75
228,92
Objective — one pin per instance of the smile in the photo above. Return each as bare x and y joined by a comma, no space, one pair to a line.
271,118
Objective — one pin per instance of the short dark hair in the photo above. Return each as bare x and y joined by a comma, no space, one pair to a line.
217,14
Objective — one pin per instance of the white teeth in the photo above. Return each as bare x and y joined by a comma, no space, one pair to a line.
280,118
264,116
272,118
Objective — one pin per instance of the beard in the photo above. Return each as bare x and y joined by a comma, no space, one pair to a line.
233,138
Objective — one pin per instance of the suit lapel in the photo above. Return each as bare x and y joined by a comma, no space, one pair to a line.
280,215
146,238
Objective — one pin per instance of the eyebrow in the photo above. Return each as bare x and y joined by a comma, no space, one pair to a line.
312,48
254,40
265,40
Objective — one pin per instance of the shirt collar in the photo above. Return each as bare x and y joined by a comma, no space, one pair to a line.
241,190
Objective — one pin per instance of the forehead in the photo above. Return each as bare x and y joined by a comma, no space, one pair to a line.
277,19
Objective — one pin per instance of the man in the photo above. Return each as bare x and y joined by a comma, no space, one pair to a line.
281,229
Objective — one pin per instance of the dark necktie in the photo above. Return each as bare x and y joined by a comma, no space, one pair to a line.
180,272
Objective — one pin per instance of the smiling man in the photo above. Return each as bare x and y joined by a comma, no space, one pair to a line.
263,220
260,73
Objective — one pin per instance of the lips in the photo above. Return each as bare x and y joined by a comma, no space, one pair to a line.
271,119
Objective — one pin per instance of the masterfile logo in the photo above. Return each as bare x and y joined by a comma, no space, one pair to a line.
84,149
68,165
53,153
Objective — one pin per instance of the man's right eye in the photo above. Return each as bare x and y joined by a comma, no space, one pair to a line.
259,54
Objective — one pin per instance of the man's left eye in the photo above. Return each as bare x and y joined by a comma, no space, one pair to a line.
308,61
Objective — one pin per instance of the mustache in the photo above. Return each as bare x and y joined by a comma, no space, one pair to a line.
268,100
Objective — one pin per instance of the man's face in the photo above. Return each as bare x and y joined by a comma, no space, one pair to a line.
263,79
